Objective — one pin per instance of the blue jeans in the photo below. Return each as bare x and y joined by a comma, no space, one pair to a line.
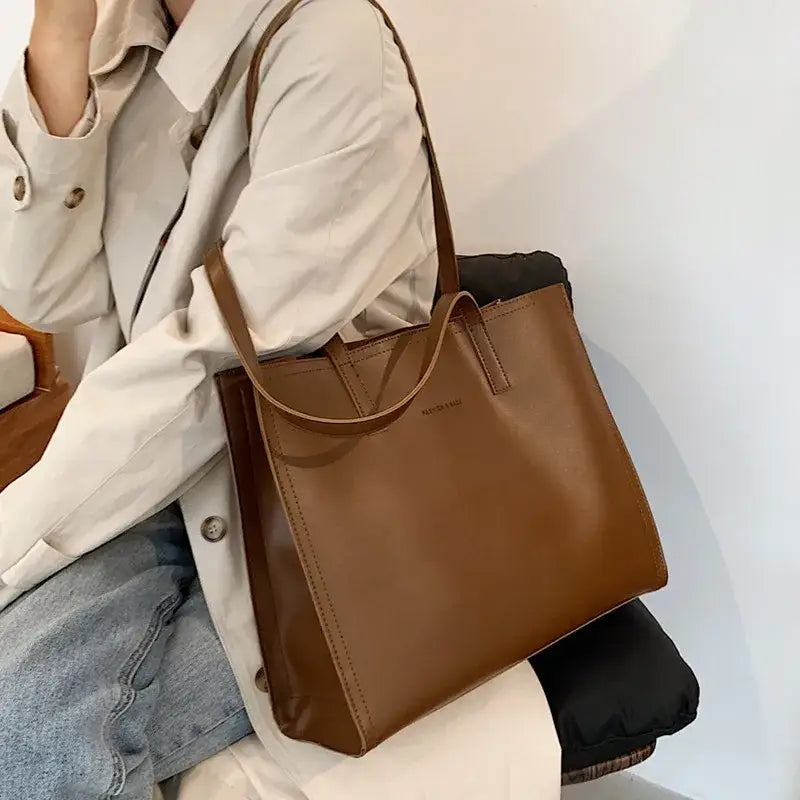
112,677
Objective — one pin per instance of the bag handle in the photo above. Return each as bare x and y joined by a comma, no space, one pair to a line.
451,302
449,281
446,308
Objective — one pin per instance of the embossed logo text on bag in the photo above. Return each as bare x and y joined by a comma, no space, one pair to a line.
442,407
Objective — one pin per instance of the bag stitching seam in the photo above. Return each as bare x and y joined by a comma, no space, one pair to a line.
363,385
242,397
499,362
366,356
495,388
656,549
302,543
477,348
342,373
369,351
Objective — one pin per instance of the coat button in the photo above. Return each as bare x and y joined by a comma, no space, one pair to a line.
197,136
75,198
261,681
20,188
214,529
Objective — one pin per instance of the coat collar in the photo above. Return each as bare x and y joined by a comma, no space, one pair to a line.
123,24
196,56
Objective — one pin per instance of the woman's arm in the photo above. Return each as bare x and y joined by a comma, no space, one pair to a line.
53,273
339,172
58,60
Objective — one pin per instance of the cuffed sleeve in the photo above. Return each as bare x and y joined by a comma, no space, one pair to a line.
143,426
39,563
83,127
53,272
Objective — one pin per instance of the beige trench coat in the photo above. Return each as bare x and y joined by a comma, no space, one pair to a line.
327,221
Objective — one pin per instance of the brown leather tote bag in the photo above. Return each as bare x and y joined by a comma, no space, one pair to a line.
424,510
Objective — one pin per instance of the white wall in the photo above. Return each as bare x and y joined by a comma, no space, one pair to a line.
654,145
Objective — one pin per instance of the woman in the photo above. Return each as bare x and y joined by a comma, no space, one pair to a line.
124,155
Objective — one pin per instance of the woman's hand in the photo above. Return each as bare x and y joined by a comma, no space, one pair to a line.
58,60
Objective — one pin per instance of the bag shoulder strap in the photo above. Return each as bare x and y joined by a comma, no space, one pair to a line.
447,308
449,282
452,303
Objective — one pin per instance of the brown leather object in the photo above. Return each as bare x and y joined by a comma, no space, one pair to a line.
26,428
425,510
42,344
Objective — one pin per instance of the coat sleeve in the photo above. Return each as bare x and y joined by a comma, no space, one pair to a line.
338,170
53,273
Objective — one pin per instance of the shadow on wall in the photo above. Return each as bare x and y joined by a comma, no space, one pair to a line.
664,225
714,640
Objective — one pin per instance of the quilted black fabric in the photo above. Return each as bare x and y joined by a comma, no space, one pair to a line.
498,277
620,683
615,686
